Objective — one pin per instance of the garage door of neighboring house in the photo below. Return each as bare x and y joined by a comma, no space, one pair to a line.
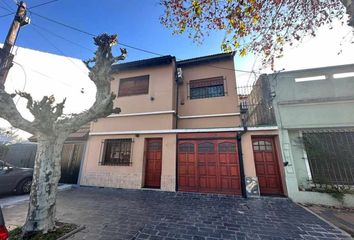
267,166
209,166
70,162
153,162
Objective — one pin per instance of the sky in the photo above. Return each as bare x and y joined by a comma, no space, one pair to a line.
137,24
135,21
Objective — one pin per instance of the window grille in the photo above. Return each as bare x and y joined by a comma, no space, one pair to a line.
117,152
207,88
330,155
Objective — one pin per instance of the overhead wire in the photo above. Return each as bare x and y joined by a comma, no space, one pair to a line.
35,6
8,7
59,50
93,35
6,15
43,4
4,8
61,37
25,83
45,75
124,44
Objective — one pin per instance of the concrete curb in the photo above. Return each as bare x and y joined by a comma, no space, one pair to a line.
15,200
69,234
324,220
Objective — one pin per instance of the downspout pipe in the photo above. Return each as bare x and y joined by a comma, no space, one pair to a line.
176,123
240,157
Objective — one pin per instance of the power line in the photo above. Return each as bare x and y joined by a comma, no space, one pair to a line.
59,50
6,15
91,34
123,44
42,4
61,37
63,24
4,8
140,49
25,83
45,75
35,6
7,5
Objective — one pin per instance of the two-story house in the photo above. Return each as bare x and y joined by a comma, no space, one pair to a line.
180,130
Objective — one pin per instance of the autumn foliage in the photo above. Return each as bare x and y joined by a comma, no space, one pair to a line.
263,26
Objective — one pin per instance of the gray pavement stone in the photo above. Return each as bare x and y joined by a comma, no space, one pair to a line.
136,214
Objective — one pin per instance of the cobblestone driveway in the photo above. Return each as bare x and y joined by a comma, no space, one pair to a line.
136,214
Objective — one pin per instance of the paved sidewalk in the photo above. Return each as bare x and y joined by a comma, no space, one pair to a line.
342,218
137,214
12,199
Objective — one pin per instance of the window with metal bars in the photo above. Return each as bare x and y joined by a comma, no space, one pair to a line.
330,156
117,152
207,88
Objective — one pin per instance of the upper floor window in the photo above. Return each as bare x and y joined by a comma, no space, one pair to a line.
133,86
207,88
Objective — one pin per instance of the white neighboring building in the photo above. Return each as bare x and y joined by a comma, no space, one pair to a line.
43,74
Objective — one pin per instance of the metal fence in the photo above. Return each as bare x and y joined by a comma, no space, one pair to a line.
330,154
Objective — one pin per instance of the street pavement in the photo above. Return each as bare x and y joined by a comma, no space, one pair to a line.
146,214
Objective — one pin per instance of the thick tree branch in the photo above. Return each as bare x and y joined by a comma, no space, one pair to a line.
100,74
9,112
45,112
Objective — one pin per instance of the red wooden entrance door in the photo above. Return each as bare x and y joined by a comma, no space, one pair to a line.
210,166
153,158
267,167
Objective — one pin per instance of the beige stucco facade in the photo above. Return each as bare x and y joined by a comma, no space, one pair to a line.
191,111
131,176
165,111
248,155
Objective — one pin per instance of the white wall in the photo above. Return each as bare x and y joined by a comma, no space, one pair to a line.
44,74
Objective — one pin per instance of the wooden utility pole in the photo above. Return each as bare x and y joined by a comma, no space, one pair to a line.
6,57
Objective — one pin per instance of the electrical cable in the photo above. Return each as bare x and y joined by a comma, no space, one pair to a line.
7,5
6,15
124,44
25,83
61,37
35,6
42,4
59,50
4,8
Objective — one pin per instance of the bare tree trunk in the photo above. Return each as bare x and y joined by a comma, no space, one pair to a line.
41,212
52,127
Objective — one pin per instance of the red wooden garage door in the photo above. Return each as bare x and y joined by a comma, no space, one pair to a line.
209,166
267,167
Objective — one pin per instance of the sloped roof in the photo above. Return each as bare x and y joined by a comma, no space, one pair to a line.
204,59
169,59
80,135
143,63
